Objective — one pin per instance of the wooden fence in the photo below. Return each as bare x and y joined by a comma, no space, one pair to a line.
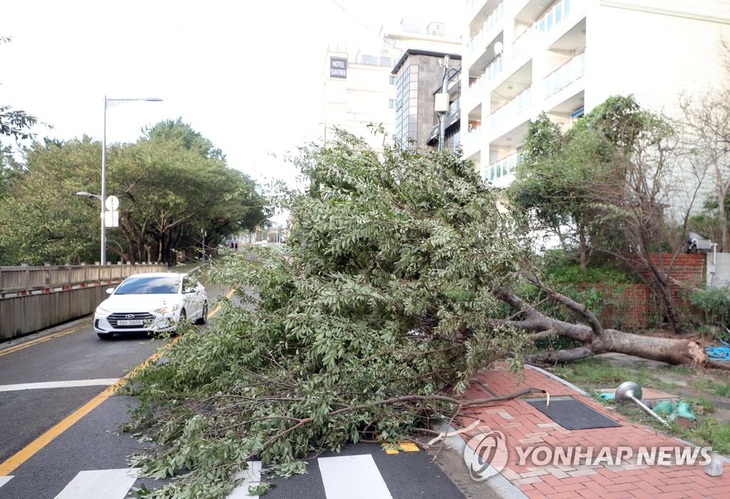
34,298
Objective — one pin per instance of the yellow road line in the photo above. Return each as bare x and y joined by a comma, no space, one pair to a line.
36,445
31,343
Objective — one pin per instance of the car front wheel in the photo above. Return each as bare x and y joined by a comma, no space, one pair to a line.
204,315
181,322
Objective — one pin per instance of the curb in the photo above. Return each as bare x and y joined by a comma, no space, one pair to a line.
501,486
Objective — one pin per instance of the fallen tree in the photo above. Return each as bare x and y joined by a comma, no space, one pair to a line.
402,277
596,340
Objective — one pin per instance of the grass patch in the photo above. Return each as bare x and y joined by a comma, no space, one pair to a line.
707,432
721,389
596,373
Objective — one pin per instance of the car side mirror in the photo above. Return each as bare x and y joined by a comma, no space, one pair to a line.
110,290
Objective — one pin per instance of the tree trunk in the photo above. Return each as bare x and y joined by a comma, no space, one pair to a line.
583,244
670,350
594,338
659,274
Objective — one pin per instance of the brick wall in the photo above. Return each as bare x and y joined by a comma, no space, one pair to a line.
625,306
635,307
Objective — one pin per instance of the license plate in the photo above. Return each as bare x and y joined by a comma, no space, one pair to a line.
126,322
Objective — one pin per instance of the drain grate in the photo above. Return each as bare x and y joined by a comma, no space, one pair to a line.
572,414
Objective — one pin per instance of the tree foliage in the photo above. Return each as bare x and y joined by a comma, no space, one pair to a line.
171,184
381,302
41,218
16,125
564,178
610,185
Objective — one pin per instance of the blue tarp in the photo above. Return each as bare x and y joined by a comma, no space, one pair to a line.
719,353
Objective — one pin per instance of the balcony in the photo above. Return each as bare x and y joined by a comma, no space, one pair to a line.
551,19
564,75
471,140
472,96
482,38
506,114
495,68
522,47
503,167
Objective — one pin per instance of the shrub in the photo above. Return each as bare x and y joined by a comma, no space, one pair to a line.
715,304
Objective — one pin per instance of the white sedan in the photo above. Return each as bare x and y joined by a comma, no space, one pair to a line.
153,302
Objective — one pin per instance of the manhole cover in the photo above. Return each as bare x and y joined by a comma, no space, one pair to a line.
572,414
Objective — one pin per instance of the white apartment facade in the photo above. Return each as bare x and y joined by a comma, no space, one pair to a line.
565,57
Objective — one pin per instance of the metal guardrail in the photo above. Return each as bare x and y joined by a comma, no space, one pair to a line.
35,298
25,280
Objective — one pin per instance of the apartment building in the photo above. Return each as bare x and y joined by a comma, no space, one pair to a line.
360,87
565,57
420,76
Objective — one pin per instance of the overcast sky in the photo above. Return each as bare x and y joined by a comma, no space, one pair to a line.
246,75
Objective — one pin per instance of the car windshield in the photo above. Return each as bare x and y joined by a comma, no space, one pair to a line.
149,286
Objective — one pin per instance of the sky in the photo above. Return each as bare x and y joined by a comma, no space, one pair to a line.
246,75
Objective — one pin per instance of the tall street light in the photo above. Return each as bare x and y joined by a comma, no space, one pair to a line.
107,103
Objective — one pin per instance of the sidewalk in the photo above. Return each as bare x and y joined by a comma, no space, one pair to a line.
547,473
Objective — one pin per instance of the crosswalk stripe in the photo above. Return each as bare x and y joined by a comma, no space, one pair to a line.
58,384
352,477
109,484
343,477
251,476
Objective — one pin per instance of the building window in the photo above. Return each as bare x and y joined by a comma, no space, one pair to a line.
402,108
393,79
368,59
391,103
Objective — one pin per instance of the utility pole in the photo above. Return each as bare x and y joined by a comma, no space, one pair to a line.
442,103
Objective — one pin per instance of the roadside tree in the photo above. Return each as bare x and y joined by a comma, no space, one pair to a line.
169,192
706,124
613,181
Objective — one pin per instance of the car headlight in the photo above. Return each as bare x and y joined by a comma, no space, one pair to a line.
102,311
166,309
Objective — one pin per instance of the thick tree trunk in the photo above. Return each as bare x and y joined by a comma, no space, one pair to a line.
670,350
594,338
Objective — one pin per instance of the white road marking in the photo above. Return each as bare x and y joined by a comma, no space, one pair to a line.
97,484
352,477
58,384
252,477
343,477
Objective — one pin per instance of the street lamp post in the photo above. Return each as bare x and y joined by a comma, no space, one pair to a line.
110,102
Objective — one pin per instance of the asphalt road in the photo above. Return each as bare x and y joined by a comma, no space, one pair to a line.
61,436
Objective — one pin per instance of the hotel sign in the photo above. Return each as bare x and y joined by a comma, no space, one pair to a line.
338,67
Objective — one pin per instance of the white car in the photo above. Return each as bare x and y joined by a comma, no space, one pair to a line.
153,302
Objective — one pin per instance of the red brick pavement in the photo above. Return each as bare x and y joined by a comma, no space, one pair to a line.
568,475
